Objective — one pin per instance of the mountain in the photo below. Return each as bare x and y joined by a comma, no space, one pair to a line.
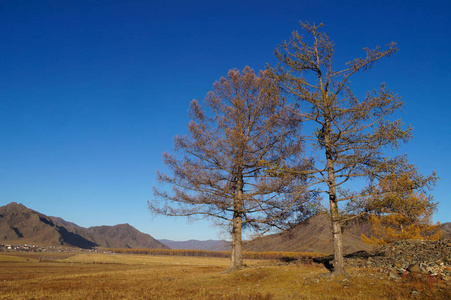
209,245
19,224
124,236
313,235
117,236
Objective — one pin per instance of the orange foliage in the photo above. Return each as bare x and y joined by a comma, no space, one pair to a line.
400,213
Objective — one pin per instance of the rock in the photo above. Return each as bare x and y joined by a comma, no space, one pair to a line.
393,275
406,257
414,268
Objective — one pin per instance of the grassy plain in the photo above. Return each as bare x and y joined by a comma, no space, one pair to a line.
107,276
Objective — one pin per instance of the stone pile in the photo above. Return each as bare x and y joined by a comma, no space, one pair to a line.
410,257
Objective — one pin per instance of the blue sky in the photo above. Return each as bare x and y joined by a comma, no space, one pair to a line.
92,92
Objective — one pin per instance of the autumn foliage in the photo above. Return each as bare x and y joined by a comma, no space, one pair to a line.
217,170
401,213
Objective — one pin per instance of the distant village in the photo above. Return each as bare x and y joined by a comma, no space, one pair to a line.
46,249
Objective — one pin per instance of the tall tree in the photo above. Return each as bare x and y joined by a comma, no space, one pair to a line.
399,211
221,175
349,135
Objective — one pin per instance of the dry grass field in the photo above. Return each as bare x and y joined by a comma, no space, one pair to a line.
107,276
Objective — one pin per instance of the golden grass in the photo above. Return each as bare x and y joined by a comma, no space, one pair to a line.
225,254
98,276
12,258
144,259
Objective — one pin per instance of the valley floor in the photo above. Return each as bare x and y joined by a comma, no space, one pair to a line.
107,276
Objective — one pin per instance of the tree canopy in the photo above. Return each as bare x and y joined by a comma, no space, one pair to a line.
220,172
399,212
350,136
244,163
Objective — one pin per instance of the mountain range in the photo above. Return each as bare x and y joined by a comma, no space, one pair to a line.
21,225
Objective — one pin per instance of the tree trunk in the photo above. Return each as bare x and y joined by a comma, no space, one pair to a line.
337,238
337,235
237,255
237,252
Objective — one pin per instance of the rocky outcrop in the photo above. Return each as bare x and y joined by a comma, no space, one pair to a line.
404,258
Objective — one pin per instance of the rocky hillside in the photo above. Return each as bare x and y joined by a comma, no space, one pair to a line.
313,235
124,236
117,236
19,224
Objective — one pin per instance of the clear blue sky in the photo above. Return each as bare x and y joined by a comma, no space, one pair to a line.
92,92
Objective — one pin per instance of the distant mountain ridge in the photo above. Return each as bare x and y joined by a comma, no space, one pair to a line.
19,224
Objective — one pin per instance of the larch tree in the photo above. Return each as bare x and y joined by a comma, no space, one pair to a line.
399,210
349,135
221,172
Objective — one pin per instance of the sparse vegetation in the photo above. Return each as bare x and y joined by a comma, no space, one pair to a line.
136,277
225,254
